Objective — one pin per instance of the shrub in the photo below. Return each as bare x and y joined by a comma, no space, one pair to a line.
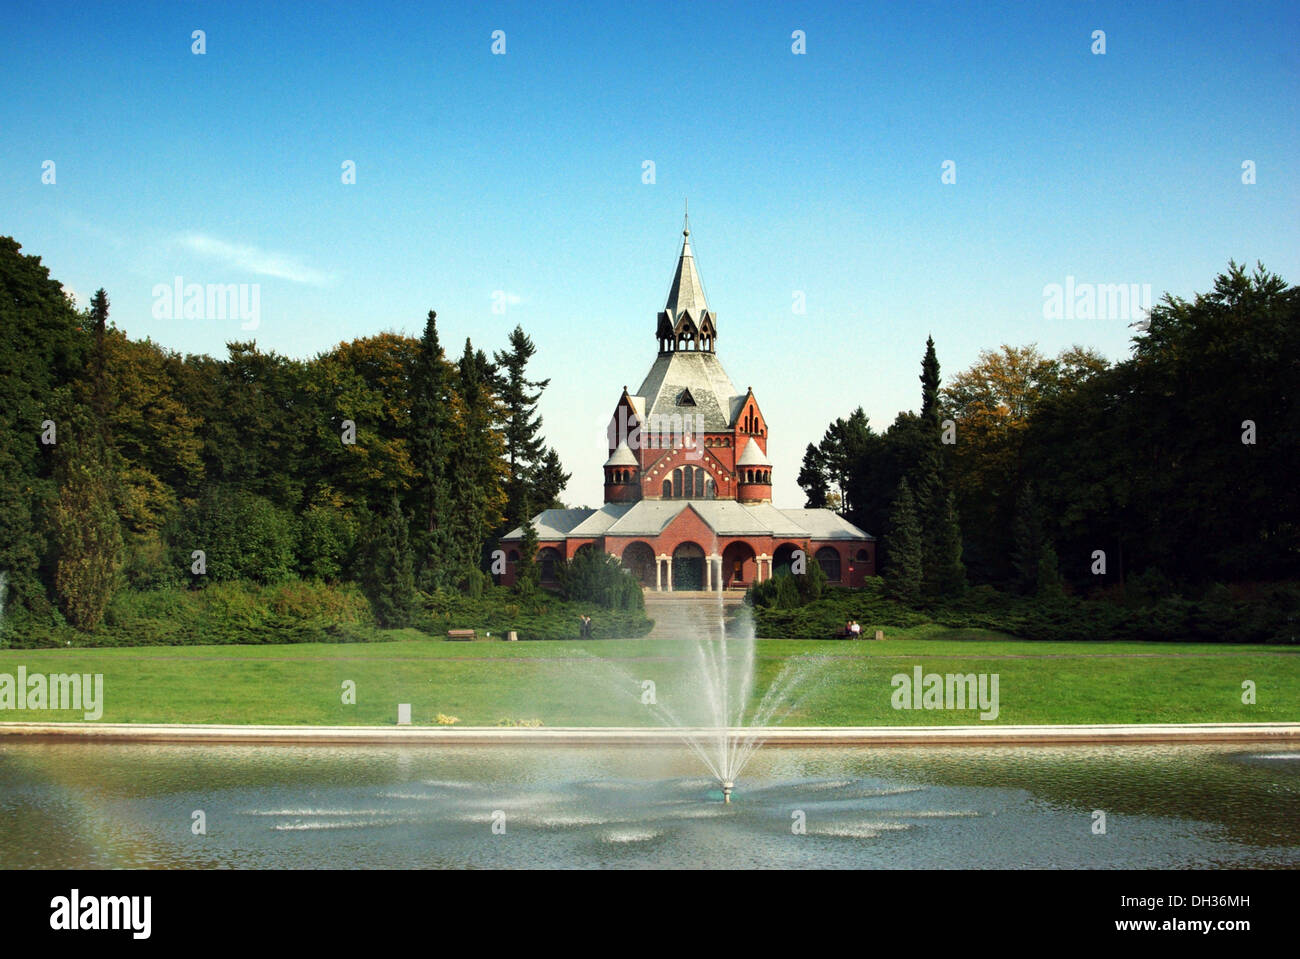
243,536
327,535
593,576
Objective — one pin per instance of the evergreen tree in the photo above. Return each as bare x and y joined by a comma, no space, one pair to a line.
1027,541
902,568
527,573
525,448
431,446
478,497
949,575
389,574
812,478
943,573
549,481
1048,585
930,385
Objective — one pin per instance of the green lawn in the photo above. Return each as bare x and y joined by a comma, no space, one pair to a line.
599,683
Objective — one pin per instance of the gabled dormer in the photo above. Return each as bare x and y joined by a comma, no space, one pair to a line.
749,420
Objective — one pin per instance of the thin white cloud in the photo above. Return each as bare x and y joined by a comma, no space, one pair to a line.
254,260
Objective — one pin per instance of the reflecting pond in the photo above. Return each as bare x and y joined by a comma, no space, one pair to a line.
68,805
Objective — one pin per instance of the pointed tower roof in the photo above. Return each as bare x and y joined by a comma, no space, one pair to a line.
687,292
686,317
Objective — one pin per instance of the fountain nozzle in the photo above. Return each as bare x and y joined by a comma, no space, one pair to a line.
727,786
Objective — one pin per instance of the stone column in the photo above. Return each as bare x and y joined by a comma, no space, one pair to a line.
759,560
708,574
659,580
668,572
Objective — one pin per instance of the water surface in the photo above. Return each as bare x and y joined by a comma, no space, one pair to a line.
116,805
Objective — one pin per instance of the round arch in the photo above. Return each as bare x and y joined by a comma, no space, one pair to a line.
828,559
783,558
738,564
639,559
688,567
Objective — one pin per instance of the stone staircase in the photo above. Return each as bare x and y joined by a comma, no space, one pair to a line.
689,615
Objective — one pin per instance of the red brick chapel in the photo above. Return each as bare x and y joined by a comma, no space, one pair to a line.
688,483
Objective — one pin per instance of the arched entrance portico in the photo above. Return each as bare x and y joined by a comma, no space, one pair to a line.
688,567
639,559
738,567
782,559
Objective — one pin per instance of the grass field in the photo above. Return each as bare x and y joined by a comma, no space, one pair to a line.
600,683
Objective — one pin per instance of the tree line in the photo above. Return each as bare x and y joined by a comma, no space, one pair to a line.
382,461
1040,474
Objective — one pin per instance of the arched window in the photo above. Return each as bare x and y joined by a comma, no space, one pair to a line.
709,491
688,483
677,484
668,489
829,560
549,559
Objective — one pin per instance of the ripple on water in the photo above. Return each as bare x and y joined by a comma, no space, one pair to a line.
632,835
339,824
860,830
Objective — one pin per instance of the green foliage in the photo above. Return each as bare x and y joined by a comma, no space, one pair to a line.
388,575
242,535
1027,541
431,450
593,576
902,566
811,583
1268,617
478,494
528,573
534,474
327,535
779,592
500,610
87,536
946,574
1048,581
42,347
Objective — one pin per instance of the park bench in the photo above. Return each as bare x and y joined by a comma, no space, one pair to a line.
461,635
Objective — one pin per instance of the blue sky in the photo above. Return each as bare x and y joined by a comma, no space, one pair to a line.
522,173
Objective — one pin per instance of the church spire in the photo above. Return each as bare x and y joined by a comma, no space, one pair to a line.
686,322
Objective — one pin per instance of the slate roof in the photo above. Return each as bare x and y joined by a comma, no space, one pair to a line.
753,455
649,518
623,456
687,292
716,399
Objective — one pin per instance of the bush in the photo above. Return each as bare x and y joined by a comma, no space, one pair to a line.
242,536
226,613
327,535
500,610
593,576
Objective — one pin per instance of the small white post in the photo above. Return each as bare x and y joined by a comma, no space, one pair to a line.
403,714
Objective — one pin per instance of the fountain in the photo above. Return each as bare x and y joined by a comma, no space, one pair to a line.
712,713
